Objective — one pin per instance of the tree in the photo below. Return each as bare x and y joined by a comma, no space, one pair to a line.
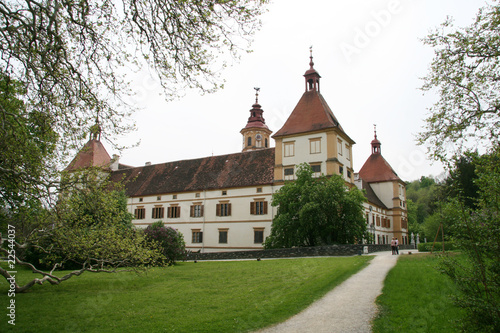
461,181
316,211
27,144
465,73
475,232
89,231
423,194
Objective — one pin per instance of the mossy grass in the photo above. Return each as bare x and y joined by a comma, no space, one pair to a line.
417,298
223,296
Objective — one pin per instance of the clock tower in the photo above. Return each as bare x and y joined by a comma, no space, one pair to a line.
256,133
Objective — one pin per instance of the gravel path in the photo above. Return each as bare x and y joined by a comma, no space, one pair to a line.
349,307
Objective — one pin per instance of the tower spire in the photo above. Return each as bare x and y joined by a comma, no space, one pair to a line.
256,133
257,95
375,143
311,75
311,63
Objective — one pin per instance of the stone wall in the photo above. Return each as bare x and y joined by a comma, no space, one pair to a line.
316,251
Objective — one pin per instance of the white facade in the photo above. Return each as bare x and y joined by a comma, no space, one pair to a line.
242,225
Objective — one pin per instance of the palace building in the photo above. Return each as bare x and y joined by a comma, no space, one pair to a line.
223,203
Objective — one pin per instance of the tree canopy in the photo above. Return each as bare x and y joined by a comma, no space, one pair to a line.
465,72
316,211
67,63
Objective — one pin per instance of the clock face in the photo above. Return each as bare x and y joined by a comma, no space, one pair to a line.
258,137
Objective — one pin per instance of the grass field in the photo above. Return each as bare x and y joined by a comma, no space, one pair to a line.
416,298
189,297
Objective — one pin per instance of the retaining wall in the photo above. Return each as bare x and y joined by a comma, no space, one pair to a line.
316,251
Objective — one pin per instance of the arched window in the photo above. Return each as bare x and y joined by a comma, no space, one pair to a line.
265,142
249,141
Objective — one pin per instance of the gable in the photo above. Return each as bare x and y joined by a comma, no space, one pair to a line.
311,113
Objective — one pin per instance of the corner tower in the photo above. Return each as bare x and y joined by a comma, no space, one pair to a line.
381,178
256,133
312,134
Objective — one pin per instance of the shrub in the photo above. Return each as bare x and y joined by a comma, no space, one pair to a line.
170,241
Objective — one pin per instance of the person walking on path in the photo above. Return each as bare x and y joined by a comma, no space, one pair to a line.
393,245
350,307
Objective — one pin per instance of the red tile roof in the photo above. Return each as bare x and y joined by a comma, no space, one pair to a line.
93,154
311,113
377,169
252,168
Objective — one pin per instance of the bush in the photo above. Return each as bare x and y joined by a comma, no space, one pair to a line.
170,241
438,246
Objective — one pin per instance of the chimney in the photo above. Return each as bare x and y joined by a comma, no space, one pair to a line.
148,163
114,162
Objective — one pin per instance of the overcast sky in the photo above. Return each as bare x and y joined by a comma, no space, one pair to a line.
368,54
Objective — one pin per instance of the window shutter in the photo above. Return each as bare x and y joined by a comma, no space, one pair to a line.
265,207
217,213
169,212
201,210
229,209
252,208
191,211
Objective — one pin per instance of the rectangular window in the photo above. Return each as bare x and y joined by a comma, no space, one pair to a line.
339,147
289,149
341,170
158,212
223,209
378,221
259,189
348,174
140,213
316,169
174,196
258,208
288,173
158,198
347,152
196,210
197,236
315,146
223,236
224,192
197,195
174,212
258,235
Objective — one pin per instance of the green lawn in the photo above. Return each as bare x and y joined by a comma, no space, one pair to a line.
189,297
416,298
